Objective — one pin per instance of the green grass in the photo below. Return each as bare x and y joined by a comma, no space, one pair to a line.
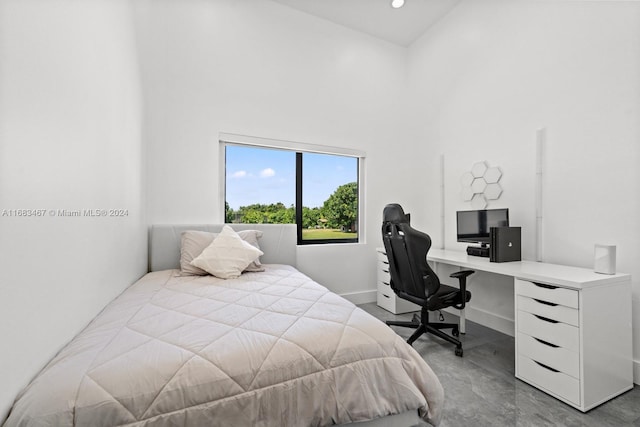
316,234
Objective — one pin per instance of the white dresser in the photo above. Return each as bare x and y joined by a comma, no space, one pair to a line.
387,299
574,343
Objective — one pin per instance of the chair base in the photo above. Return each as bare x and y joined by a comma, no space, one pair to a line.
423,326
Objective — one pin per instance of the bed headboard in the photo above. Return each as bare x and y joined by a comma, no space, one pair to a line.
278,243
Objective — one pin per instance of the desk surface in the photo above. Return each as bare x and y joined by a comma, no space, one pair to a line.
561,275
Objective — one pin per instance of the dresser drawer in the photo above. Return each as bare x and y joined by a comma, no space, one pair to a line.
556,357
557,333
548,293
382,257
387,300
549,310
548,379
385,288
383,274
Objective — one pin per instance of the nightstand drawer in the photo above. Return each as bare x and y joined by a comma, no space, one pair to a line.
553,332
548,293
549,310
548,379
555,357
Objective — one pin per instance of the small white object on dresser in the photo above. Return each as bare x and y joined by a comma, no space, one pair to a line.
387,299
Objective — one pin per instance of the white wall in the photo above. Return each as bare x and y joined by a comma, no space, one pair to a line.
70,113
262,69
493,72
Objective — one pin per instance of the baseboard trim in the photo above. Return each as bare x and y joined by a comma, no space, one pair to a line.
361,297
485,318
636,371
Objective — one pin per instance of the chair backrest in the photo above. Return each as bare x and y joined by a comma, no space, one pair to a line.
406,247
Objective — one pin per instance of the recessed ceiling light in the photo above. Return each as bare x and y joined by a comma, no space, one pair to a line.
397,4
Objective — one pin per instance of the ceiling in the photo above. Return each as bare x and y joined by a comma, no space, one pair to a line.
377,18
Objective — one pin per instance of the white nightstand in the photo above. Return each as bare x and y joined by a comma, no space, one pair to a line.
387,299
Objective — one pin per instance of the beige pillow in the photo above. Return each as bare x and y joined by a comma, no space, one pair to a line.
251,237
194,242
227,256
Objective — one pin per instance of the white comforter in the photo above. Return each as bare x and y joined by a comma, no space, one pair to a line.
266,349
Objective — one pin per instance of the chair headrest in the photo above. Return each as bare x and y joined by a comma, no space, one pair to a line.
394,214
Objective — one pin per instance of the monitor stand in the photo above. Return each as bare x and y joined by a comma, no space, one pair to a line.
482,251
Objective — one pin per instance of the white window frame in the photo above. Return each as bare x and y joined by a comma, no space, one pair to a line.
225,139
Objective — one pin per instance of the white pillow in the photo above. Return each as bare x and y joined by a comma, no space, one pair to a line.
192,243
227,255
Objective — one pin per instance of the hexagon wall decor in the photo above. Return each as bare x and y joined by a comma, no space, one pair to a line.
492,175
481,184
478,201
493,191
467,194
478,185
479,169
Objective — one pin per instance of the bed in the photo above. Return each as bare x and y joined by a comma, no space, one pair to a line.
267,348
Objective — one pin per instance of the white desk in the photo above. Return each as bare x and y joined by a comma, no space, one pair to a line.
573,327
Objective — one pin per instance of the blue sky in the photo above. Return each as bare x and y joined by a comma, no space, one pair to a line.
259,175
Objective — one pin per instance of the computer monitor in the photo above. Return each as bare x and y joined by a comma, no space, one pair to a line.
474,226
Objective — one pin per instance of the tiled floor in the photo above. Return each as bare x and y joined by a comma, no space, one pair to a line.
481,389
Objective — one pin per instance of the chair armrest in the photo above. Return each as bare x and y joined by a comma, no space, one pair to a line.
462,273
462,279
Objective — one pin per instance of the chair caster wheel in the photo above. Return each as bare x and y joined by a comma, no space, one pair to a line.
455,332
459,351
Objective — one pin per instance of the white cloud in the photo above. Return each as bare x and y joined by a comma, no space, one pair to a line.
266,173
239,174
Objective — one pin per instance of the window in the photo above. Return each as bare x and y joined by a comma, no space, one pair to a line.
318,191
328,197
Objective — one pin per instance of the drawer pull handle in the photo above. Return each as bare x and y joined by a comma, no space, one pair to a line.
545,302
546,343
544,285
546,367
386,296
546,319
385,271
386,284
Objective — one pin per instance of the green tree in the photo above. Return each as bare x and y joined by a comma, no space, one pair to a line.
310,217
341,208
283,216
228,213
274,213
253,216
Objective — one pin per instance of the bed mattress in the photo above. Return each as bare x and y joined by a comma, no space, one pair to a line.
269,348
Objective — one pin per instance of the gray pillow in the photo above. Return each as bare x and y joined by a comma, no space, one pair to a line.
192,243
